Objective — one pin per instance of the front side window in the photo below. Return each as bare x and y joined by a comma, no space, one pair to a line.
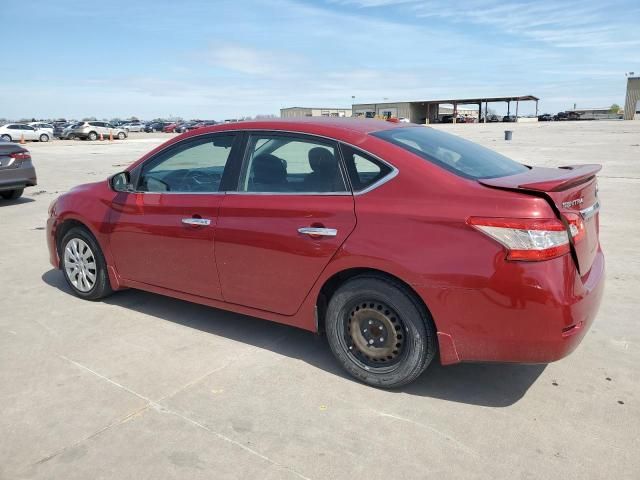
192,166
451,152
291,164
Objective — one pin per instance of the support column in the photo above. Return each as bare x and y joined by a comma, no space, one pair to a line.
517,104
455,112
508,107
486,110
536,108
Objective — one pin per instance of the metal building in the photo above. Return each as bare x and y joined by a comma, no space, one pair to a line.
314,112
429,111
632,103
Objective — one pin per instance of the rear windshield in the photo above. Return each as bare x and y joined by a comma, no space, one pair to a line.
453,153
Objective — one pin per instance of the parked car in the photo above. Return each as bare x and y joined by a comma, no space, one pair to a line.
58,129
546,117
330,228
170,128
13,132
155,126
449,119
509,118
43,126
185,127
92,130
491,118
16,170
133,127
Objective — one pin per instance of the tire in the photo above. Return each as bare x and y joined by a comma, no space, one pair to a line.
72,137
93,136
92,264
12,194
121,136
371,308
44,137
6,137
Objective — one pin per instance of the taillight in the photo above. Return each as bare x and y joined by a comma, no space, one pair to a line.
529,239
576,226
20,156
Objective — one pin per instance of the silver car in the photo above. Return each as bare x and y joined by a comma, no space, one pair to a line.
133,127
93,129
13,132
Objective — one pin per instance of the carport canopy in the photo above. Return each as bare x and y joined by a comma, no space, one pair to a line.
430,107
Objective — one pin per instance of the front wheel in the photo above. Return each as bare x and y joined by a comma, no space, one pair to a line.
83,265
379,331
121,136
6,138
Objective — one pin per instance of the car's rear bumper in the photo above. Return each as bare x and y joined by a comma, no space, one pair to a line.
532,313
15,178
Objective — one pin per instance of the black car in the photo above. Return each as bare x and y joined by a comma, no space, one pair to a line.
509,118
16,170
546,117
155,126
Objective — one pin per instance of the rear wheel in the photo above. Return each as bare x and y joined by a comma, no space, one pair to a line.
121,136
12,194
6,137
379,332
44,137
83,265
92,136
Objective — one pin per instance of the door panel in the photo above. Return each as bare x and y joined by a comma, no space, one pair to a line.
263,261
151,244
287,182
164,234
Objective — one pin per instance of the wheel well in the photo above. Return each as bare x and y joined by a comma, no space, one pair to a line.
62,230
334,282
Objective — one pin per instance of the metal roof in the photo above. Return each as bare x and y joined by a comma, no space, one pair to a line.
520,98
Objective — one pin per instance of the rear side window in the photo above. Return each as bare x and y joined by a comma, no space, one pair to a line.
364,170
453,153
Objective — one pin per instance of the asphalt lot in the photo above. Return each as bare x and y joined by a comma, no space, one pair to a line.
143,386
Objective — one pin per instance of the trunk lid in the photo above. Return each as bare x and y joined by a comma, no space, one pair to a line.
573,193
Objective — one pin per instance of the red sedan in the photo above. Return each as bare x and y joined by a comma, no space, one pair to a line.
397,241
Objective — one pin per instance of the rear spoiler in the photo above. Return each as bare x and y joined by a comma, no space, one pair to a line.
544,179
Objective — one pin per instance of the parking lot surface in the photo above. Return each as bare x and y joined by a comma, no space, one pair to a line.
143,386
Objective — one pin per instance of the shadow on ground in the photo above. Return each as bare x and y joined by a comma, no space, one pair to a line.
493,385
18,201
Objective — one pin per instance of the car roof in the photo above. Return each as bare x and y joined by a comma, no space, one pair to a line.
324,126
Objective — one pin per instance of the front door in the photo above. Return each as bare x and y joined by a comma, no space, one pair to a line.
290,214
163,234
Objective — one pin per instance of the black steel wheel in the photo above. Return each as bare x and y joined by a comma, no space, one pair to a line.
379,331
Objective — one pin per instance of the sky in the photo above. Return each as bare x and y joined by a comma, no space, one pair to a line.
222,59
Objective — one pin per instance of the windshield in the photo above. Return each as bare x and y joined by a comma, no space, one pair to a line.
453,153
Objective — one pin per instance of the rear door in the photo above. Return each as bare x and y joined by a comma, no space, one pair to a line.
290,214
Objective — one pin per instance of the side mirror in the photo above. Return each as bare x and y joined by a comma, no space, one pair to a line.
121,182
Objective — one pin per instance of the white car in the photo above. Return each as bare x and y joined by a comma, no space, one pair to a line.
13,132
133,127
43,126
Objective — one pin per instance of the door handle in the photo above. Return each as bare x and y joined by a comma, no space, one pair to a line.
197,222
318,231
